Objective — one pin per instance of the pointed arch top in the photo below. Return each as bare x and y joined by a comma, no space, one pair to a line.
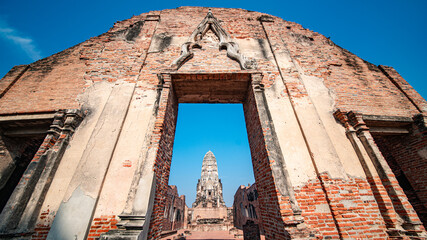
225,42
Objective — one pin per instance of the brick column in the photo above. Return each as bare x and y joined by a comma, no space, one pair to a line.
65,129
278,168
142,217
21,211
74,215
384,202
280,213
162,141
399,215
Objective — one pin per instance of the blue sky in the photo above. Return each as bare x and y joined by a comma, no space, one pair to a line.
383,32
217,127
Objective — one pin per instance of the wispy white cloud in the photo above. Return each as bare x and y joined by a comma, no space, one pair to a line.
22,41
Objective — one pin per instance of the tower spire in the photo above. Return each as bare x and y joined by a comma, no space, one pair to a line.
209,186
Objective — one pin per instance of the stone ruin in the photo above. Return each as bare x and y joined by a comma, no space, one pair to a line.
209,212
338,144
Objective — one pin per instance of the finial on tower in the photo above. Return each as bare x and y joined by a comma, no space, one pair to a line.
210,14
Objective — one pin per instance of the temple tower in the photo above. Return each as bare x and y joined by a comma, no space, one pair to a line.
209,186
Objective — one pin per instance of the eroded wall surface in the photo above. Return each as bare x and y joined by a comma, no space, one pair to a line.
246,208
174,213
306,102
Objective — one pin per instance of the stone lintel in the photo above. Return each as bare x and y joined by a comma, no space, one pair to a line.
389,130
22,117
386,121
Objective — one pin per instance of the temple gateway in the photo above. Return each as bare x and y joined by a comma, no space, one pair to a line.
338,145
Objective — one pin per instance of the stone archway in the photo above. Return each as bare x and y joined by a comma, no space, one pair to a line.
271,176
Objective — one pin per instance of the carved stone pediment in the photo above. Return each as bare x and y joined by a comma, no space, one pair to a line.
225,42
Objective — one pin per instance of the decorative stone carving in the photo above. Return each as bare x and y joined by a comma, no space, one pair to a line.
225,42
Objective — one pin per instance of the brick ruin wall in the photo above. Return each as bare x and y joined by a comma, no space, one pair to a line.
111,57
164,132
246,207
174,210
137,49
18,153
405,155
272,204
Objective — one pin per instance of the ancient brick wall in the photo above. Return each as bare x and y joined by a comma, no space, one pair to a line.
406,156
341,209
118,55
273,205
42,229
163,137
335,192
358,85
102,225
47,85
413,96
246,207
174,211
11,77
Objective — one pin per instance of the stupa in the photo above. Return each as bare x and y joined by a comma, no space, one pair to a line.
209,212
209,186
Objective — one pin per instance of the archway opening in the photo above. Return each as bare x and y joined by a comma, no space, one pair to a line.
275,196
211,166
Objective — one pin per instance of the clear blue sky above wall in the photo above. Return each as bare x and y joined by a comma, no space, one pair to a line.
391,32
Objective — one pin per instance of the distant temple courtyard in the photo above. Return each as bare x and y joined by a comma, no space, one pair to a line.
209,217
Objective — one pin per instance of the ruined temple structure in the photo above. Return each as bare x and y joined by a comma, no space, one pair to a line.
338,145
209,186
209,212
246,208
174,210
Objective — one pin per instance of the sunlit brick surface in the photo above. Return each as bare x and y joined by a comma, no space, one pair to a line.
293,64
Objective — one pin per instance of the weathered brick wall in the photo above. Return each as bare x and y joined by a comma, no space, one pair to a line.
163,137
354,208
358,85
102,225
56,82
137,49
315,209
42,229
47,85
272,204
11,77
119,54
173,218
246,198
406,156
416,99
349,209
